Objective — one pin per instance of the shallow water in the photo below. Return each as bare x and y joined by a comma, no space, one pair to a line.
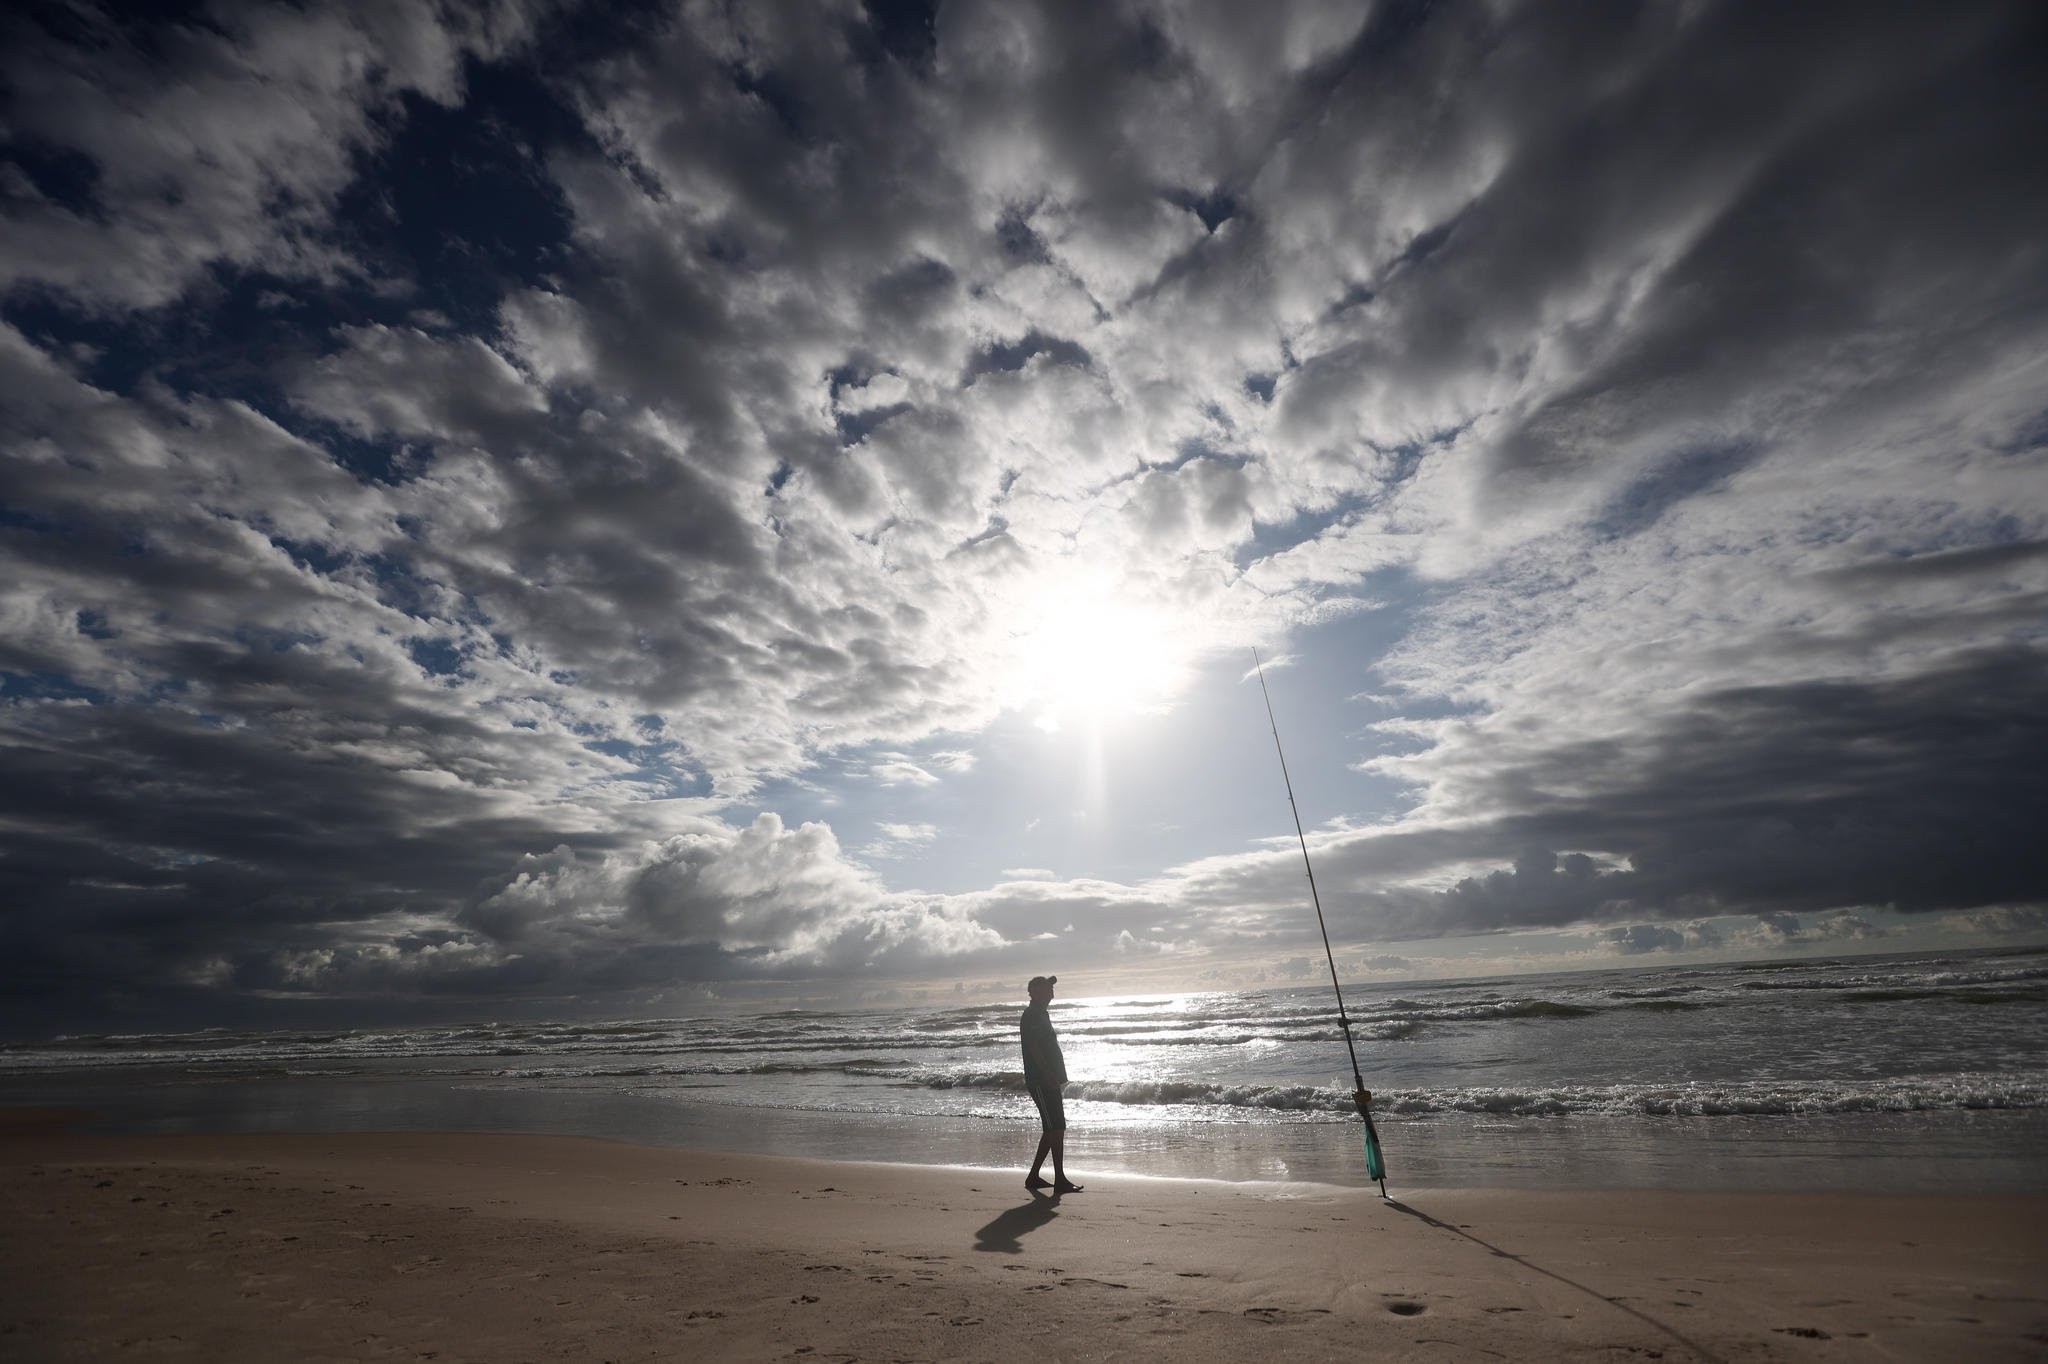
1922,1072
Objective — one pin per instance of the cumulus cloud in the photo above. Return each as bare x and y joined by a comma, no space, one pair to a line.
2000,920
762,897
230,144
1793,930
1633,939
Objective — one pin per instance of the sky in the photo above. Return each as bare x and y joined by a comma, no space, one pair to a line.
546,509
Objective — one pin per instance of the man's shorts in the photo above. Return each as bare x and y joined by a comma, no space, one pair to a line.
1052,1107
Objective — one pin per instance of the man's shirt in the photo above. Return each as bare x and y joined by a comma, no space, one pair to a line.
1043,1064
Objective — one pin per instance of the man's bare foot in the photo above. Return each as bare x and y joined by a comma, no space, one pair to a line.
1034,1182
1066,1186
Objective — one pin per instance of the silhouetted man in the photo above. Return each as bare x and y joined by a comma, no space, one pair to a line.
1045,1073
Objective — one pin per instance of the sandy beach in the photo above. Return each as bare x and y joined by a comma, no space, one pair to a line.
501,1248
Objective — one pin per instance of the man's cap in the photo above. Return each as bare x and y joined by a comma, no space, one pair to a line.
1036,981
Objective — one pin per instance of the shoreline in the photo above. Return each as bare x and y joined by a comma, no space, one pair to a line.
1991,1152
504,1246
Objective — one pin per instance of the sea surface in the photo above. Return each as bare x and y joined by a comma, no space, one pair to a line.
1914,1073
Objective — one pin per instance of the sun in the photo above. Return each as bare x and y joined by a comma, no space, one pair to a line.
1084,654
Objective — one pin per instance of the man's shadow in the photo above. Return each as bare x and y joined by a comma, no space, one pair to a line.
1003,1233
1526,1263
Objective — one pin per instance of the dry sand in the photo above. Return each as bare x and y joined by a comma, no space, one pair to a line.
453,1246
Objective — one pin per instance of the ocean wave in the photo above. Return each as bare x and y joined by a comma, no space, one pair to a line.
1953,995
1241,1023
1711,1101
1148,1026
1994,977
270,1049
872,1068
1391,1030
1151,1092
970,1079
1638,1101
1915,975
1839,1018
1289,1098
1514,1008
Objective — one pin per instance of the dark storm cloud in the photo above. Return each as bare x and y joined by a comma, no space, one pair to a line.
1913,795
451,452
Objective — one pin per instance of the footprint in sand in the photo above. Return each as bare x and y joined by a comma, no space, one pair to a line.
1270,1315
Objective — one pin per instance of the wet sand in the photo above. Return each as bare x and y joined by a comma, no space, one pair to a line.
450,1246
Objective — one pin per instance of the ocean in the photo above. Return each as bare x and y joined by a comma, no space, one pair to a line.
1912,1072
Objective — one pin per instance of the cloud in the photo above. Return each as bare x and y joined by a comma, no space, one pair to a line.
1639,938
1791,930
1646,413
762,895
712,901
2000,920
1129,944
900,771
406,383
900,840
231,143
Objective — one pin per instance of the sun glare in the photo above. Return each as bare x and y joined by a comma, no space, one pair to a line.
1086,656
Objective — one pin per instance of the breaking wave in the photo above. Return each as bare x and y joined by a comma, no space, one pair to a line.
1640,1101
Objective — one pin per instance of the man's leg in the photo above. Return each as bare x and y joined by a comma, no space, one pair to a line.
1045,1143
1056,1133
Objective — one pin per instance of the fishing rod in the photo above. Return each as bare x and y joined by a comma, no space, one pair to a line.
1375,1163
